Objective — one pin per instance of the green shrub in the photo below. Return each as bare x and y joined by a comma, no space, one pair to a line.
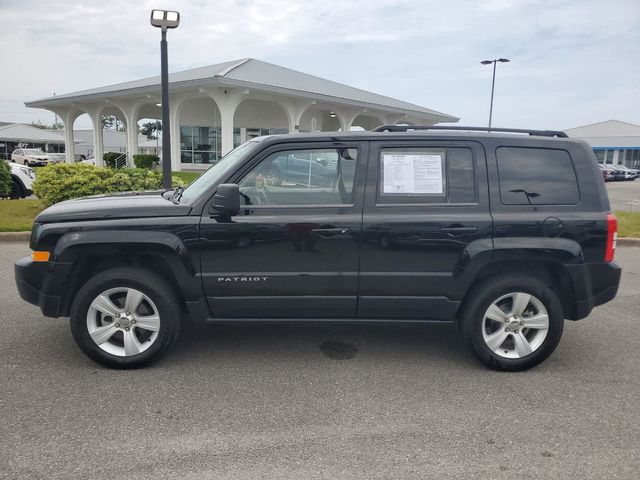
145,160
63,181
110,158
5,179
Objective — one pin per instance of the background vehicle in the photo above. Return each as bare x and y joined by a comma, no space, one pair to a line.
21,180
607,173
615,173
57,157
30,157
486,231
629,173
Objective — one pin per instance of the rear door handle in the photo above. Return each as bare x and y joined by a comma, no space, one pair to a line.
329,232
458,230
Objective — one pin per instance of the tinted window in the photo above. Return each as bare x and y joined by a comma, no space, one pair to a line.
302,178
426,175
536,176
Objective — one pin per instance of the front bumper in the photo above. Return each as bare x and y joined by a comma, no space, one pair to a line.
38,283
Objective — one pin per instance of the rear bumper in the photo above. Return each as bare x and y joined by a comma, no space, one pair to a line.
593,285
36,283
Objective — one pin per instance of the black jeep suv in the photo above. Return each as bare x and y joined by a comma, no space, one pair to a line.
504,233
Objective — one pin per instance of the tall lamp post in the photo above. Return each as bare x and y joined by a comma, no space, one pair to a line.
165,19
493,81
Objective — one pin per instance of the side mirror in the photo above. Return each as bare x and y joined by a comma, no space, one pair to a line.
227,199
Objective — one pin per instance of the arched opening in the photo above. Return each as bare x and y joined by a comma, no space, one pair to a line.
200,132
319,119
366,122
149,123
254,118
114,128
83,147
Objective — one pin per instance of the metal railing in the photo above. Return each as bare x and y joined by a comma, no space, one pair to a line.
121,161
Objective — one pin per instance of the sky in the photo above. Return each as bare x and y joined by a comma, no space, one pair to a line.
573,62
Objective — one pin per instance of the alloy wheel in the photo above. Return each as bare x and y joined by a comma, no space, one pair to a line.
515,325
123,321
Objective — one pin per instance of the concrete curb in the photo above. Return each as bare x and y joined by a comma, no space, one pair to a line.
628,242
7,237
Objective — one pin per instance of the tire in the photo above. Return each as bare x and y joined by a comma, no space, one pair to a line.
158,300
16,190
26,163
507,292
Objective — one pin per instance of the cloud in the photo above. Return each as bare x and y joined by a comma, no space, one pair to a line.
572,62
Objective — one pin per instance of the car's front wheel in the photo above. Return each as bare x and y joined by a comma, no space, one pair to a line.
26,163
513,322
125,317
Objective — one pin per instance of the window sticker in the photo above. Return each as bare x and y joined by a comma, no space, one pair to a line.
412,174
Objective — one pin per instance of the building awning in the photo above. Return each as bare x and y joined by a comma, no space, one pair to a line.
256,75
20,132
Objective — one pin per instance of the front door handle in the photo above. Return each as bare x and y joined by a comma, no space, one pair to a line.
458,230
330,232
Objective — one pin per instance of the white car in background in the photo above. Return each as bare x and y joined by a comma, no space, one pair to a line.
21,180
30,157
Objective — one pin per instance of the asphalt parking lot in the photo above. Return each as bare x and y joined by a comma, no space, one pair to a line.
285,402
624,196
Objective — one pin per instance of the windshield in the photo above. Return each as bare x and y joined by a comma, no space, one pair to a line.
219,170
33,151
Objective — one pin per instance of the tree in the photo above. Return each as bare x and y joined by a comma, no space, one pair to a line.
151,129
111,122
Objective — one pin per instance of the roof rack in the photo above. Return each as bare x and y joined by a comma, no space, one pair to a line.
405,128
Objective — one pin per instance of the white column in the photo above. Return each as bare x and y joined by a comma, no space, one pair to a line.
98,141
227,101
226,116
176,164
132,140
67,119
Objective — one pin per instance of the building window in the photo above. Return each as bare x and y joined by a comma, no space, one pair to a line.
609,157
599,155
200,145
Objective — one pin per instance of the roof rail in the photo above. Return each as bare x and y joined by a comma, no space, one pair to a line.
405,128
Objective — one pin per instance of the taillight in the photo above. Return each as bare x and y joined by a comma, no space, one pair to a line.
612,237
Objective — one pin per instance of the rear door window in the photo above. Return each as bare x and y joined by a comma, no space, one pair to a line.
536,176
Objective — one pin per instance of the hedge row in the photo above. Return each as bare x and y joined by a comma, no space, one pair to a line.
63,181
141,160
5,179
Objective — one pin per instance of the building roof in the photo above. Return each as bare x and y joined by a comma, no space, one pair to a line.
250,73
609,128
19,132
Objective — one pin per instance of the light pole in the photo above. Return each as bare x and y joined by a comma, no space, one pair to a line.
493,81
165,19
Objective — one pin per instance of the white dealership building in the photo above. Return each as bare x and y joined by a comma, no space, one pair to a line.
214,108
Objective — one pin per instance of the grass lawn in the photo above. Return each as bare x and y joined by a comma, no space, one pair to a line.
628,224
18,215
188,177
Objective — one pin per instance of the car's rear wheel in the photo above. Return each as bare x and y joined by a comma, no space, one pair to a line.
26,162
513,322
125,317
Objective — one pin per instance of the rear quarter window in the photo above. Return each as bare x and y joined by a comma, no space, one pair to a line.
536,176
